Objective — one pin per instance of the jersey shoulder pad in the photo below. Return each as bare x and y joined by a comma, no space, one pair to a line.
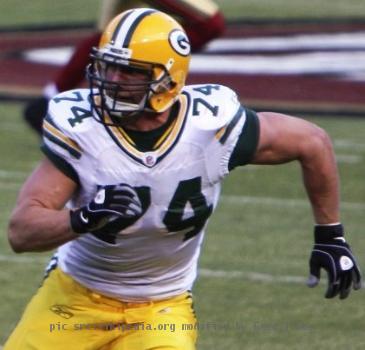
70,109
68,117
212,106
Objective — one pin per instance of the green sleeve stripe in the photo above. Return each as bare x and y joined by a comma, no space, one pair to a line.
76,154
231,126
247,142
61,164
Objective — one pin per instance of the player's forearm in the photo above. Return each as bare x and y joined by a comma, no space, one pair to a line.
39,229
321,179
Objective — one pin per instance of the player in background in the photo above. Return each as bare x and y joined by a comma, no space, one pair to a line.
201,19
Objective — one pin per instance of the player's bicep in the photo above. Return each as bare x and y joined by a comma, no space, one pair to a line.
282,138
47,187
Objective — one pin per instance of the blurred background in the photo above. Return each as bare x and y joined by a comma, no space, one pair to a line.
303,57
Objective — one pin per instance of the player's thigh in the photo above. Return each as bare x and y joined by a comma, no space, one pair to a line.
170,324
53,317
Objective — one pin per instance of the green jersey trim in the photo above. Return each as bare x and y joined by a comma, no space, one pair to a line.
247,142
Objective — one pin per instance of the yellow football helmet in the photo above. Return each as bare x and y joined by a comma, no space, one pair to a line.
149,52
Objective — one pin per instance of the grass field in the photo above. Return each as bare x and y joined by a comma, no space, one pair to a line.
18,12
251,292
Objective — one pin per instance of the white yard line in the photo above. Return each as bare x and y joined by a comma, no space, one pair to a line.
203,272
315,41
335,62
349,158
292,64
12,174
11,186
244,275
282,202
251,276
349,145
235,199
24,259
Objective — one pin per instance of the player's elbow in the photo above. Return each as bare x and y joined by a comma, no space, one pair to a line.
318,145
16,237
322,140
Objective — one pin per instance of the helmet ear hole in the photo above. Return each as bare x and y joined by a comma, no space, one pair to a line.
172,85
162,101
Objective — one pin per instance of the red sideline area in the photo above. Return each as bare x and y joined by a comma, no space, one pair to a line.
22,80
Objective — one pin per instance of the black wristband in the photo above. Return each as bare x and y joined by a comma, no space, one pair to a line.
325,233
76,224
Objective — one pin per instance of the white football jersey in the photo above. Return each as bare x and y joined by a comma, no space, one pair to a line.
178,183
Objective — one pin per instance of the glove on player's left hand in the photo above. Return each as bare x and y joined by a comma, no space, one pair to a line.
333,254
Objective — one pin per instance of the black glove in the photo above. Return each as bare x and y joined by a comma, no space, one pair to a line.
332,253
111,207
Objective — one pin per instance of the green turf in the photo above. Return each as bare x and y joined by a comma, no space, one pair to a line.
40,12
257,235
16,12
284,9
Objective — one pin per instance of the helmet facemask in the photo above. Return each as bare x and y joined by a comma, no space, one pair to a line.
122,88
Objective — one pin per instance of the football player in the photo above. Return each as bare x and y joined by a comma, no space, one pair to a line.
139,159
201,19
